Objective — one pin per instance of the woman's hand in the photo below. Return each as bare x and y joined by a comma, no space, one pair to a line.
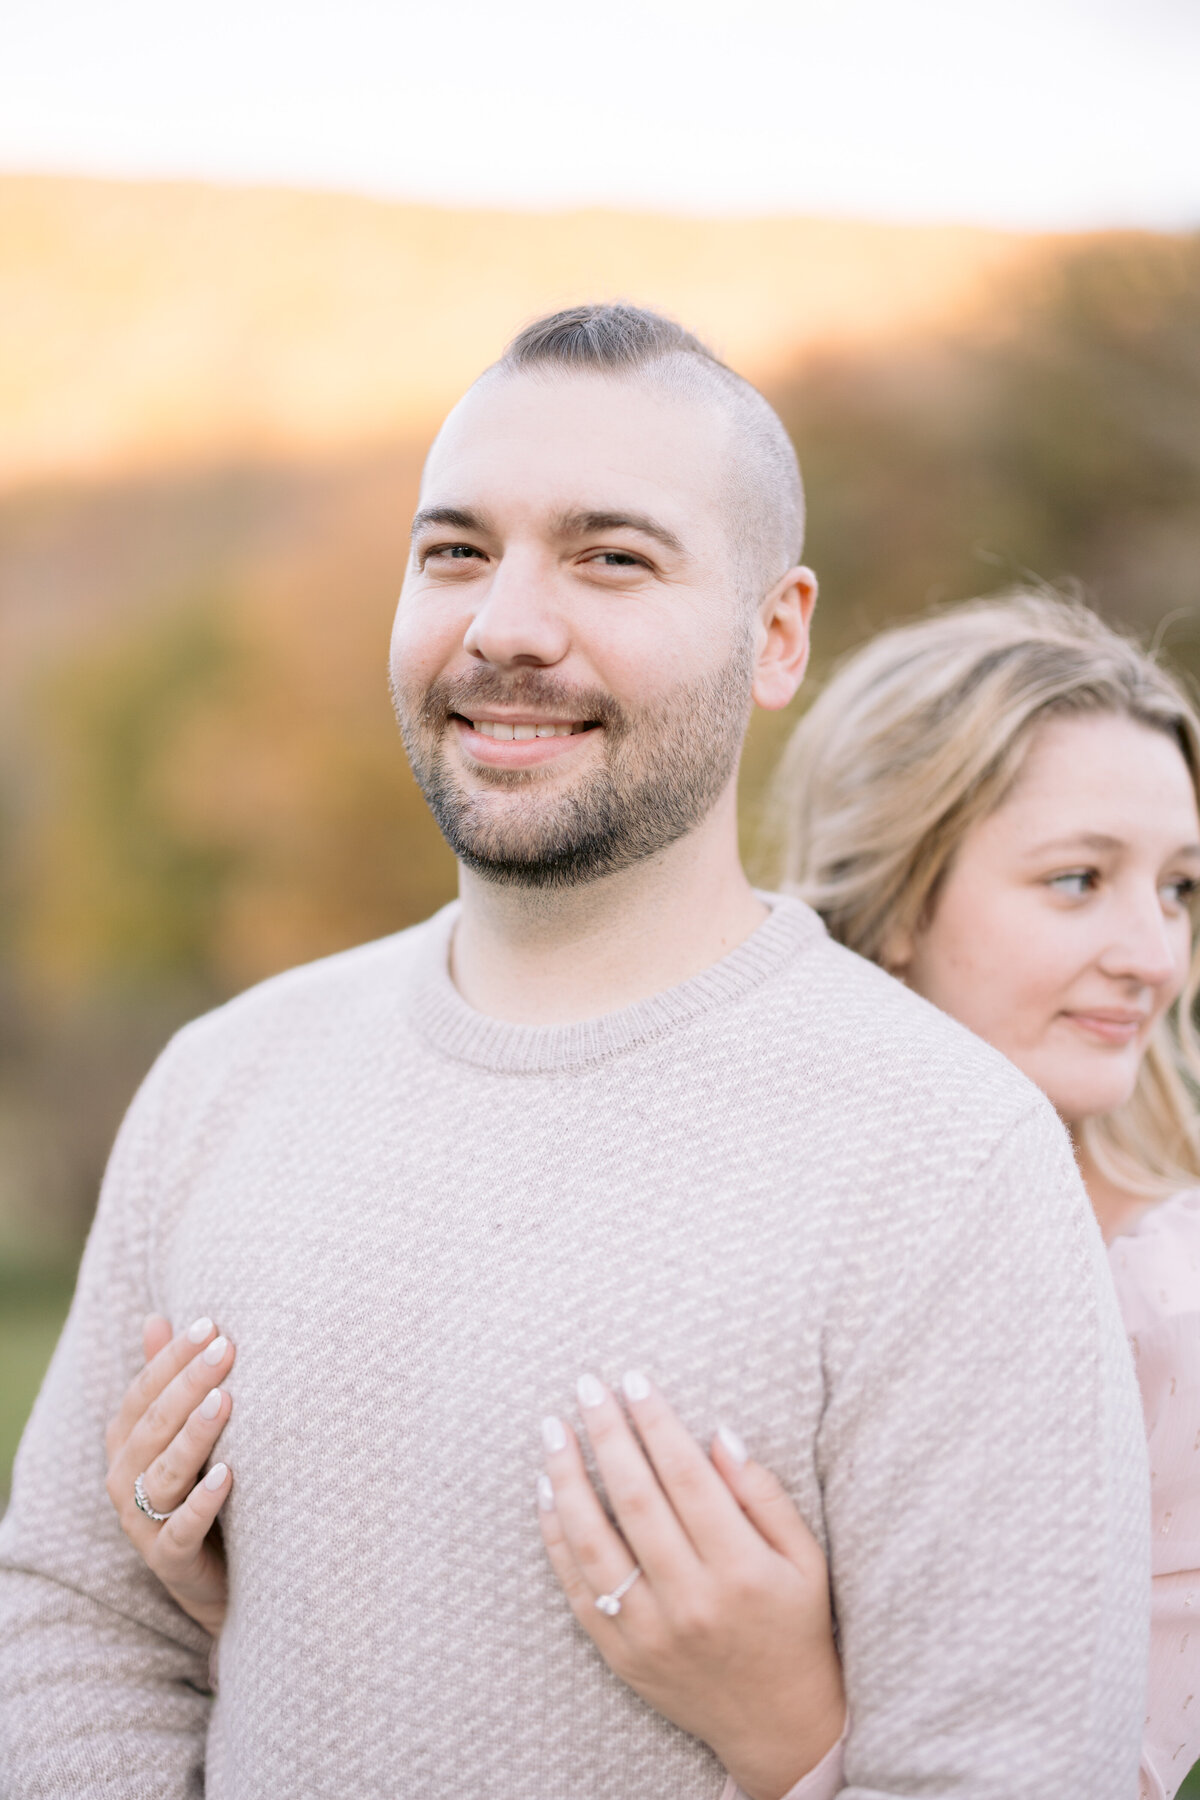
727,1631
165,1431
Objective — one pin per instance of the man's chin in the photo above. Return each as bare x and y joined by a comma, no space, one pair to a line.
519,844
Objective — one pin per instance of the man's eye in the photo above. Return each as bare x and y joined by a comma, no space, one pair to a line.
452,553
618,559
1075,882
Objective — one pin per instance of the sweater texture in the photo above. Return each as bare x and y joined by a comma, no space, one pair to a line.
805,1201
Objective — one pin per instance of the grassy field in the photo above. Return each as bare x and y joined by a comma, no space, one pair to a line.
33,1305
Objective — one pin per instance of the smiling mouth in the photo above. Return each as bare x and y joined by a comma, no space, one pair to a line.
506,731
1109,1025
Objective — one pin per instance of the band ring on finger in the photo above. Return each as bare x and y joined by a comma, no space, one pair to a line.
143,1505
610,1604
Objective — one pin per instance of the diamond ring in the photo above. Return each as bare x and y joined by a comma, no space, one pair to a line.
610,1604
143,1505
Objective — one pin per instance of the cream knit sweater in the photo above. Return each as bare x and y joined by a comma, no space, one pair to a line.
807,1202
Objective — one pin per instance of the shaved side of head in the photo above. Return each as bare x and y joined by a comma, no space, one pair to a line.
765,495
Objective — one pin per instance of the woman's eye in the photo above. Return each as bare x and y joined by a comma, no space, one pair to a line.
1182,891
1075,883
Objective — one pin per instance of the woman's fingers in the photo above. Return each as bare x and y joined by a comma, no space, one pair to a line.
170,1418
700,1499
591,1550
581,1597
156,1335
173,1474
182,1537
187,1556
643,1511
165,1415
162,1368
766,1502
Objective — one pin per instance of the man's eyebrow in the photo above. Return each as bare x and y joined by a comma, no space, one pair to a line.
458,518
582,524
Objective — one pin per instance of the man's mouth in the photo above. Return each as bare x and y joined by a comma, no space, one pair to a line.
521,742
522,731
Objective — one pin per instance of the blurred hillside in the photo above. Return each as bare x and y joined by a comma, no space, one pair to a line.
212,413
146,325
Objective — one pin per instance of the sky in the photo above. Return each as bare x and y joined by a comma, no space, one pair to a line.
1021,113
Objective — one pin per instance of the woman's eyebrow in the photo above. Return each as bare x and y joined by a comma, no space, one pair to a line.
1099,841
580,524
1078,840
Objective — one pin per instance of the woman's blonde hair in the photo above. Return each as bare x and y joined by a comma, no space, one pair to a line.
921,734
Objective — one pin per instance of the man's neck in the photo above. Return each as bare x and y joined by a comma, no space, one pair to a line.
538,956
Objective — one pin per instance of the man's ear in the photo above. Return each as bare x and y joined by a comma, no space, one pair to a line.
783,626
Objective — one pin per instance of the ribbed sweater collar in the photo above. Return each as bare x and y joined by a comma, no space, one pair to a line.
446,1021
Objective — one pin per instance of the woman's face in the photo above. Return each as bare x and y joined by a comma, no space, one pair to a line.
1061,931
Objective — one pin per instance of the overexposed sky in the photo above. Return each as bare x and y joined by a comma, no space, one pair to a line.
1030,113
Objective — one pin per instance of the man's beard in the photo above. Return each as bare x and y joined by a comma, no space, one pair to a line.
662,772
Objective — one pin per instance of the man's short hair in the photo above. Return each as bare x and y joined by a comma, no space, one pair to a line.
765,493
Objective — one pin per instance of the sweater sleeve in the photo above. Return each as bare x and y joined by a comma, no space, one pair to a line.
983,1467
824,1782
102,1677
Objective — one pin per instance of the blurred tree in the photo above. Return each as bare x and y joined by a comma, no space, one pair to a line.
202,782
202,789
121,889
1055,433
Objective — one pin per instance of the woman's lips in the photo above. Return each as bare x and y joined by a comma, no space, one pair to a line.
527,751
1108,1027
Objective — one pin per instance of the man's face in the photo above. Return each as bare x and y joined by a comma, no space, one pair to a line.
571,660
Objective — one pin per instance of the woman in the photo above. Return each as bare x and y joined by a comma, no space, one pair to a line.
998,805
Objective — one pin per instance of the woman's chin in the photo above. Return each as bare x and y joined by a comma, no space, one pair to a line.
1077,1101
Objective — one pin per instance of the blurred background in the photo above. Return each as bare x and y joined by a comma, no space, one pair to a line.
247,259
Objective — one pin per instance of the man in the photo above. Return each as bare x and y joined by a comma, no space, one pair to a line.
613,1110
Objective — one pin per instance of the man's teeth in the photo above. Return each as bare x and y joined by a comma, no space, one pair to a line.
493,728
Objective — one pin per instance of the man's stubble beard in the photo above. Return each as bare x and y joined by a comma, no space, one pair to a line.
662,772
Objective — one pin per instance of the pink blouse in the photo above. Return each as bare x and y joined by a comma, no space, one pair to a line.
1157,1274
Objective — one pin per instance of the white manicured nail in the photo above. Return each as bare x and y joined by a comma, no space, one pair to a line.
197,1333
553,1435
589,1390
636,1386
545,1493
733,1444
216,1351
215,1477
210,1406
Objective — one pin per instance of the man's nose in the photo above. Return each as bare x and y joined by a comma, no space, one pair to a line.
519,622
1143,948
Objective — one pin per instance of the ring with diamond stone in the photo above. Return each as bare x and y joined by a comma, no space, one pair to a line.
610,1604
143,1505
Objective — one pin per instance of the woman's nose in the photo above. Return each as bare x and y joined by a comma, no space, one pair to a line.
1145,949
